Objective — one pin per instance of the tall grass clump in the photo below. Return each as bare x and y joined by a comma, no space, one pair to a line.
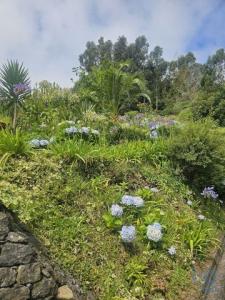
12,145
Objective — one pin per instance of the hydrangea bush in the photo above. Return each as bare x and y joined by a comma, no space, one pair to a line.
209,192
39,143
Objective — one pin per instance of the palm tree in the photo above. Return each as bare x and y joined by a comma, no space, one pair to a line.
14,87
125,87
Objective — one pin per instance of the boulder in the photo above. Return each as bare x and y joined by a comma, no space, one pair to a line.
65,293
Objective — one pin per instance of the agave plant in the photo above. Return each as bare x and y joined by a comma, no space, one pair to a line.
14,87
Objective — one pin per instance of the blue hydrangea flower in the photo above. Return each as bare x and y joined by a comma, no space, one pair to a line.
85,130
153,125
116,210
172,250
127,200
44,143
209,192
35,143
128,233
154,233
71,130
132,200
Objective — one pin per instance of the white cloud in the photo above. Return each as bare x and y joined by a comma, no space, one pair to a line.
49,35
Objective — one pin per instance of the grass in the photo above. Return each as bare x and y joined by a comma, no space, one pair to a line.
12,145
64,194
70,222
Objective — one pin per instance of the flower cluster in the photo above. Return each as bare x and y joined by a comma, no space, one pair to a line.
154,189
20,88
172,250
154,232
116,210
201,217
189,202
128,233
132,201
36,143
154,125
154,134
209,192
83,130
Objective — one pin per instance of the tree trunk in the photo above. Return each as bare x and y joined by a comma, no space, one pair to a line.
14,117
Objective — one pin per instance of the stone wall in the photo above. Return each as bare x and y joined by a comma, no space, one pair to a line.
25,272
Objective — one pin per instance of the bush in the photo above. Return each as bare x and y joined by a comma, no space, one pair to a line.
197,151
212,105
119,133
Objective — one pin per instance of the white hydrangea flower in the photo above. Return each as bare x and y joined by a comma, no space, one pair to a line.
52,139
138,201
157,225
201,217
172,250
116,210
154,189
189,202
154,233
94,131
128,233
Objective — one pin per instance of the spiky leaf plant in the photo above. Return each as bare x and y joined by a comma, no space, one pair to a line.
14,87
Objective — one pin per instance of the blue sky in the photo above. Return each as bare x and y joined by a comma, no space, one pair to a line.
49,35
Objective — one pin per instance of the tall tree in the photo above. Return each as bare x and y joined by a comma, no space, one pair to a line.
104,50
138,53
120,49
155,73
90,56
214,71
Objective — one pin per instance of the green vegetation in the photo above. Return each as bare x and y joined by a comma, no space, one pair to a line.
122,193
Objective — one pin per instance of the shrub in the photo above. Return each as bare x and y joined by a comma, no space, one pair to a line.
212,105
197,151
118,133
